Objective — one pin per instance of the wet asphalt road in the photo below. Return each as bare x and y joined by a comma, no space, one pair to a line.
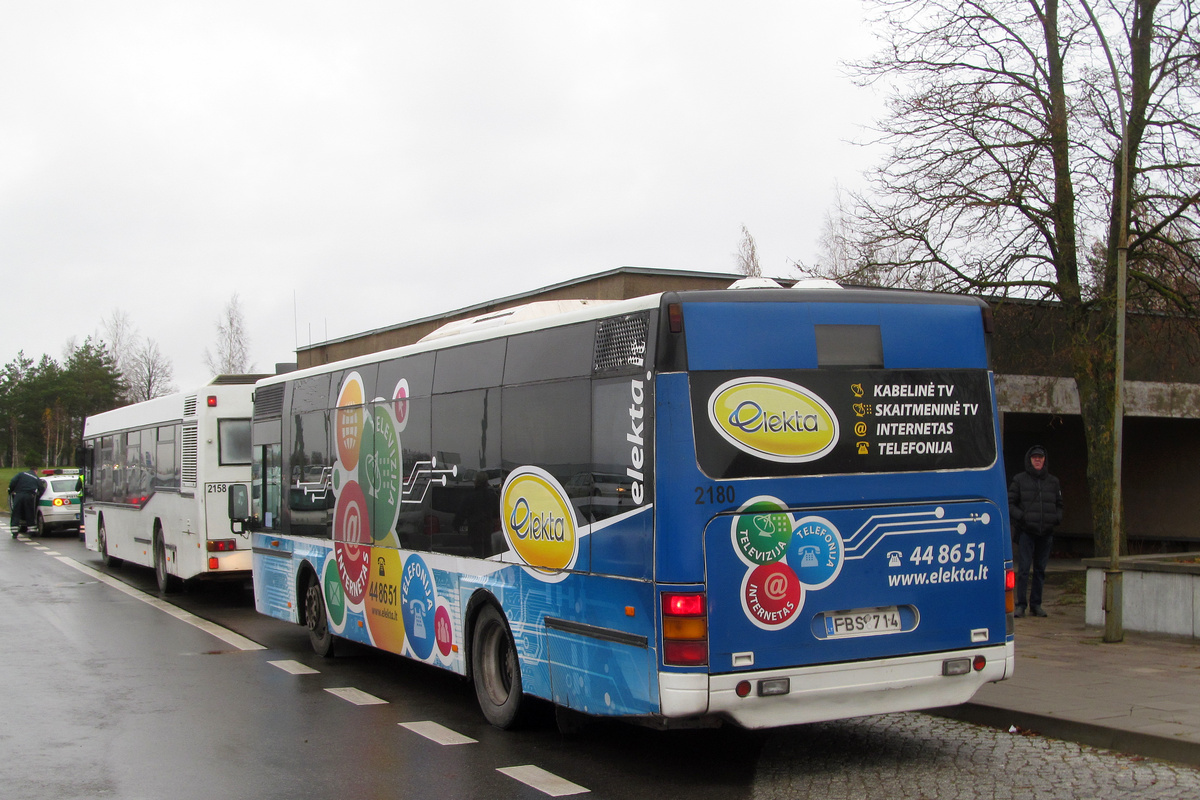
107,695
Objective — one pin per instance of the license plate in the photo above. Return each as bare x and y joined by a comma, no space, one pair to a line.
863,622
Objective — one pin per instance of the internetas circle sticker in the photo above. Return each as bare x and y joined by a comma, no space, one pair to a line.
771,595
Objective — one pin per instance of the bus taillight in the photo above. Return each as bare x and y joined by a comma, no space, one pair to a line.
685,629
675,317
221,545
1010,585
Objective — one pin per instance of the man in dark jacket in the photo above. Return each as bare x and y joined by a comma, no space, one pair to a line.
23,492
1035,506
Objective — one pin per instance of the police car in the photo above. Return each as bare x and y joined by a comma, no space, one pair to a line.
61,502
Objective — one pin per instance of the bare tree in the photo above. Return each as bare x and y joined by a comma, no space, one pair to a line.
233,342
1005,161
121,337
747,256
151,373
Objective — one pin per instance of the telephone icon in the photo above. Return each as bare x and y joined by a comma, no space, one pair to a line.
808,556
894,558
864,448
418,612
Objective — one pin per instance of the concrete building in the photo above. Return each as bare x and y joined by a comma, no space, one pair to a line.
1036,395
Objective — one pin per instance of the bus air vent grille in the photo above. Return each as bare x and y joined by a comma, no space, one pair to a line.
189,405
268,401
191,453
621,343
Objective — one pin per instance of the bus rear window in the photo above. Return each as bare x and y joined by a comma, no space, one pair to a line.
849,346
234,441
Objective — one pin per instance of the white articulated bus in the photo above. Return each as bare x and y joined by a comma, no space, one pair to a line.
156,478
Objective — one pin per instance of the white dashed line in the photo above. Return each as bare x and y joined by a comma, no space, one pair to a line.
295,667
212,628
356,696
535,777
543,781
437,733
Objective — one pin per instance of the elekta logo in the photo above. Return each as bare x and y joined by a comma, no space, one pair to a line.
773,419
539,521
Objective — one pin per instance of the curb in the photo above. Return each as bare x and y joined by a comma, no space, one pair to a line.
1163,748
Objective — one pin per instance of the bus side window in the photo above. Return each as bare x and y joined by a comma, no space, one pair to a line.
464,439
310,480
268,488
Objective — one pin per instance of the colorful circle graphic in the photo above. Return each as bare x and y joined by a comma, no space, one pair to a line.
815,552
380,472
444,631
351,541
383,600
539,520
350,421
400,395
762,531
335,597
771,595
418,601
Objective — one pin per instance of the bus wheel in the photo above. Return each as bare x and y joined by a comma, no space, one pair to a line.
317,619
166,582
102,546
496,669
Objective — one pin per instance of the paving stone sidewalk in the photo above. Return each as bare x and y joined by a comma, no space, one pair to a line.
1140,696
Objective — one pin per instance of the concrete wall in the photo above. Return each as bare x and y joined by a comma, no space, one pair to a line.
1153,602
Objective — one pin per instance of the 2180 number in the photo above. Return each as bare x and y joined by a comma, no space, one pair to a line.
715,494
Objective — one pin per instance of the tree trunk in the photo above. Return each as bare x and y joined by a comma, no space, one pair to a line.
1095,367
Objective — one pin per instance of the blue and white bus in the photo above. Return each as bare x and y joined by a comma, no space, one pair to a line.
765,506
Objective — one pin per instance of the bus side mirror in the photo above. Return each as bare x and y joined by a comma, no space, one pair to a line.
239,507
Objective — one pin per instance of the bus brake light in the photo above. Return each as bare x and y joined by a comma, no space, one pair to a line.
221,545
683,605
685,629
1010,585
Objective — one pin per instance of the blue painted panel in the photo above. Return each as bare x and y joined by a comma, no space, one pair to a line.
780,575
765,336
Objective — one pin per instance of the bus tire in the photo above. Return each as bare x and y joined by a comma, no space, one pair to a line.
102,546
317,619
166,582
496,669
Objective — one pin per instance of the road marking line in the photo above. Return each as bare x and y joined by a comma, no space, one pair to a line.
356,696
295,667
53,553
211,628
543,781
39,546
437,733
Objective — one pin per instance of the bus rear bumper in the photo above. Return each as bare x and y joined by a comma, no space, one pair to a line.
834,691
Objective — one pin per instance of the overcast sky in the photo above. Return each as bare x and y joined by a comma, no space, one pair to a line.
346,166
